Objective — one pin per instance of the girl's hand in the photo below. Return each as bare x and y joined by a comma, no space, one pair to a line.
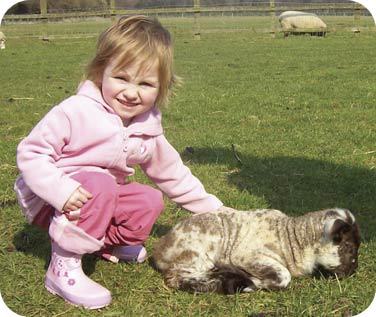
226,209
79,197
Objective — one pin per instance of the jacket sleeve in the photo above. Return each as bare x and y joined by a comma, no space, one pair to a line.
37,155
167,170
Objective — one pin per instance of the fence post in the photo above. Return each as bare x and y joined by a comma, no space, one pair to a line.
112,10
357,8
197,14
272,18
44,18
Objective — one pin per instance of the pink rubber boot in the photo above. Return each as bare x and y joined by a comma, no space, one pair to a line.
65,278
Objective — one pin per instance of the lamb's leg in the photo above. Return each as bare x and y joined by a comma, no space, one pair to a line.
267,273
197,274
190,271
220,278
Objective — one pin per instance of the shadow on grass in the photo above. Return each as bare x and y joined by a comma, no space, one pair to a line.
160,230
36,242
297,185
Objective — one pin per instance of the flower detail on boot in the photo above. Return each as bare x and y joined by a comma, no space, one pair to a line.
57,265
60,267
71,282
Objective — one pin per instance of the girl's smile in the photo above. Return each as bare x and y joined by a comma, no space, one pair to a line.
126,103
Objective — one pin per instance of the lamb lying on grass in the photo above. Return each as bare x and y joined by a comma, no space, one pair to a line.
236,251
301,22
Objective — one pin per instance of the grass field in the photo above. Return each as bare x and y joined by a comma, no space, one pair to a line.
300,113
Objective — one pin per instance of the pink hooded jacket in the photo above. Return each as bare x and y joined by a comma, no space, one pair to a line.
83,133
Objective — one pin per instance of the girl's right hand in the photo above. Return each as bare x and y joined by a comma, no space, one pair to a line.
79,197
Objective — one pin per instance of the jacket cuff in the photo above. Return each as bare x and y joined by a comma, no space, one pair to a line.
211,203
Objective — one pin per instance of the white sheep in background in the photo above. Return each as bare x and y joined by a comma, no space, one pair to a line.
2,40
301,22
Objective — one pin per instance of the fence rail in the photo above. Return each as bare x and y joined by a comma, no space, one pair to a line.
260,9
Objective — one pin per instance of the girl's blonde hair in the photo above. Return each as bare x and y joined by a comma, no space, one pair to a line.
136,38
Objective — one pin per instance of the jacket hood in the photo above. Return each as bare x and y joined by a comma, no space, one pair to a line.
148,123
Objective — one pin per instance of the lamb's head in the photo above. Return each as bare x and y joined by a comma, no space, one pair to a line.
337,252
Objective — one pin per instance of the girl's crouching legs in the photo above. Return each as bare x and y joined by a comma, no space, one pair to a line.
138,208
70,241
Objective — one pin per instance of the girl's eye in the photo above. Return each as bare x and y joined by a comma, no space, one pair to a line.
146,84
120,78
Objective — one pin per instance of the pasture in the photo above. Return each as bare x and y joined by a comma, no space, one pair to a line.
263,122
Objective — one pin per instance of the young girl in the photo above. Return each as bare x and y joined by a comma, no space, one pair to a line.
74,164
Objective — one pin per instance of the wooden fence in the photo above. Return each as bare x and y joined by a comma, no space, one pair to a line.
43,24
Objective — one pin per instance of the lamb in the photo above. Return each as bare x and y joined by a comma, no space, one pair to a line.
2,40
241,251
297,21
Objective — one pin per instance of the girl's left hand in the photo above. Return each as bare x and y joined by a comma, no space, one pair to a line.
79,197
224,208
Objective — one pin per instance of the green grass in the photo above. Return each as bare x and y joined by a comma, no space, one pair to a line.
301,114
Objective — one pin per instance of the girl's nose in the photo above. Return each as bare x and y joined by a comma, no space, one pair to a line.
131,92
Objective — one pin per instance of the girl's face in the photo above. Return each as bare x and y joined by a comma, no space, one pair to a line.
130,91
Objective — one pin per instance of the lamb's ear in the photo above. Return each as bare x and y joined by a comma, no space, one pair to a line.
335,229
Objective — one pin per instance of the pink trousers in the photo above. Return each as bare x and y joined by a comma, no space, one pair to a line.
122,214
